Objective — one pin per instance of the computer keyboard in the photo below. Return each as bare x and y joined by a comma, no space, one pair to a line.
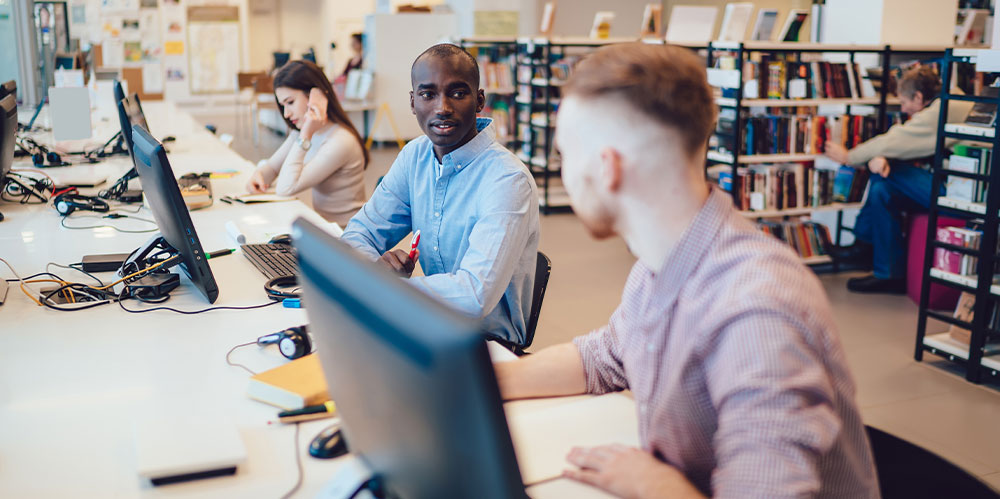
272,260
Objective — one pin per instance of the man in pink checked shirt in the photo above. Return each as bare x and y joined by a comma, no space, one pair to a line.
725,339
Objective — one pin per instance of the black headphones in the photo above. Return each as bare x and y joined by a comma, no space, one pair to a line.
293,342
41,154
274,287
69,202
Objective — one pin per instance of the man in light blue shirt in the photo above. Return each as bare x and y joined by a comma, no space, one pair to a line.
473,201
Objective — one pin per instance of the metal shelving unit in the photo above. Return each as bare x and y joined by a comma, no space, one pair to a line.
536,140
971,356
734,80
499,48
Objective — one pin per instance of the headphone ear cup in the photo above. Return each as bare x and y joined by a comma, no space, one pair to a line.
38,159
64,208
54,159
294,343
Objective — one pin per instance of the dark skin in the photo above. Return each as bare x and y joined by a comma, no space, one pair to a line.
445,99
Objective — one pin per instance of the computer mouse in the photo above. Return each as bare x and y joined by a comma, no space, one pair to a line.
281,239
328,444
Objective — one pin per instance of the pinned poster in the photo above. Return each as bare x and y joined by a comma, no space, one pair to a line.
173,48
152,79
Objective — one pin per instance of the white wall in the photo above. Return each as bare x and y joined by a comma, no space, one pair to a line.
904,22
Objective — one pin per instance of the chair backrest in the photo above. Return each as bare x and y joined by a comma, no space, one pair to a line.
263,84
245,79
543,268
907,470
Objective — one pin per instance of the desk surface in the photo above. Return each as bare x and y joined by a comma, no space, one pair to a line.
73,384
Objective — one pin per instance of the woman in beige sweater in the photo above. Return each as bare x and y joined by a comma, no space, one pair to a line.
323,151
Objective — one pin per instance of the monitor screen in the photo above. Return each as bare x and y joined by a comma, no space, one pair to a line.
8,129
171,214
135,114
412,379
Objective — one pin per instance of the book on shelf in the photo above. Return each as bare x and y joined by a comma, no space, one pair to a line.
803,133
808,239
601,29
984,113
969,159
787,186
773,77
652,17
495,75
763,27
793,24
691,24
735,21
965,311
953,261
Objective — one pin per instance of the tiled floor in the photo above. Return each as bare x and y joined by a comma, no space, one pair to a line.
928,403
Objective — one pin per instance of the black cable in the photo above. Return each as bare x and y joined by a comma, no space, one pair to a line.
30,277
80,270
125,231
230,362
193,312
298,464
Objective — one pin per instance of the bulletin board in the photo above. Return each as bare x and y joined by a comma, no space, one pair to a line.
214,48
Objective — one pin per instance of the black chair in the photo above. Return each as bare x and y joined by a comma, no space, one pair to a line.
543,268
908,471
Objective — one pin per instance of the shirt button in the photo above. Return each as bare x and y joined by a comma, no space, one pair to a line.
437,214
435,248
642,408
650,347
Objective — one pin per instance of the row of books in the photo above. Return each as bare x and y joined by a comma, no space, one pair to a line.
495,75
773,77
802,133
807,238
953,261
968,159
795,185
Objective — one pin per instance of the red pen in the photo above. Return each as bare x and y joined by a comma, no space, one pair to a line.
413,244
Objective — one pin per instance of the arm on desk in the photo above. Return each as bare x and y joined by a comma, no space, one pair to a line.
385,218
554,371
267,170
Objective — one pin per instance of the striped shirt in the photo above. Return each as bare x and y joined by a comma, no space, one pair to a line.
738,373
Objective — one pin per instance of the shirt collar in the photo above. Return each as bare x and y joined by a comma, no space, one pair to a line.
695,243
461,157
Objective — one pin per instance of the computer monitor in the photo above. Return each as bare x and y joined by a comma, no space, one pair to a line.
8,88
135,114
413,381
8,128
171,214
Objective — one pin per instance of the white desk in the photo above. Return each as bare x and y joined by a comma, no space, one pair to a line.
72,384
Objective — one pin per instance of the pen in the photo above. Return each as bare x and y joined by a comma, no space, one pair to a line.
222,252
413,244
321,411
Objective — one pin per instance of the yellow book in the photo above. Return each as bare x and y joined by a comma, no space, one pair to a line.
295,385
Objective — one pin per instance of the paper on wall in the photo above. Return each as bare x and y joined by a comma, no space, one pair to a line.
152,79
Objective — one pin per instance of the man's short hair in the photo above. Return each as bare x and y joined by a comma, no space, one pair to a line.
665,83
447,50
921,79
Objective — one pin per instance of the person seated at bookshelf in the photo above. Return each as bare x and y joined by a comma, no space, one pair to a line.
357,57
323,151
724,337
474,202
900,181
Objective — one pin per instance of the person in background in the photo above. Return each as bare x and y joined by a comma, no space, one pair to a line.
900,181
323,151
357,48
724,337
474,203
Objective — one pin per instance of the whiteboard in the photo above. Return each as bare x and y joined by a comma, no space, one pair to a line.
214,55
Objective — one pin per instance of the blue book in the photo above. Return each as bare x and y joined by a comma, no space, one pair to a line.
842,184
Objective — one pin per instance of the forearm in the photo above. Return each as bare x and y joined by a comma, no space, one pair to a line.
554,371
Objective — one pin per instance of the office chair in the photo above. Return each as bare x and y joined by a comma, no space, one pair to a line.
543,269
906,470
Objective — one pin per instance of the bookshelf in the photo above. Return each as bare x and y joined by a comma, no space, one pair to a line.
496,57
979,356
814,99
537,101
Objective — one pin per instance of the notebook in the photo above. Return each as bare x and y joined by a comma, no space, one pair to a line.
545,430
294,385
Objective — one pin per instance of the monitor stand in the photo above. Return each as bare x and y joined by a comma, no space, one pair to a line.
152,252
350,482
